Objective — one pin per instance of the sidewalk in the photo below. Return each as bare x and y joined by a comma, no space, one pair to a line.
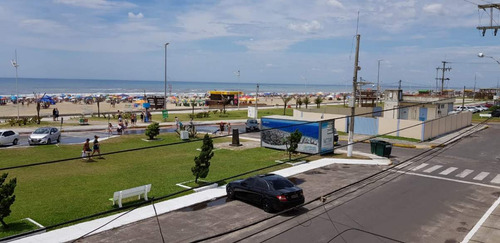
73,232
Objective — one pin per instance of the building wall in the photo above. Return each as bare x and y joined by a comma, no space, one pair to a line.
407,128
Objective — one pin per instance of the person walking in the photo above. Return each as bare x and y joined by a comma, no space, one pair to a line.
221,127
86,149
176,123
57,114
54,114
110,129
228,128
96,147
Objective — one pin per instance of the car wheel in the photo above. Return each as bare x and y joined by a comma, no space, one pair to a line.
15,141
49,141
230,192
246,130
59,139
266,205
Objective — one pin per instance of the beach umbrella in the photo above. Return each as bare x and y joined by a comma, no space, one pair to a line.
140,101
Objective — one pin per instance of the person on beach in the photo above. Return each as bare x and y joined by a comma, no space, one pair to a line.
177,123
57,114
96,147
54,114
221,127
86,149
110,129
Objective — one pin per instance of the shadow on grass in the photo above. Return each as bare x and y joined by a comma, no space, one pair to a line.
17,227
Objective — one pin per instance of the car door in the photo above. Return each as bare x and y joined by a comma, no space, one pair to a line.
53,134
245,190
261,190
10,136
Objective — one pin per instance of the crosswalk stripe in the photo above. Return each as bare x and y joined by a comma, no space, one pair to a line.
464,173
433,168
448,171
496,180
419,167
481,176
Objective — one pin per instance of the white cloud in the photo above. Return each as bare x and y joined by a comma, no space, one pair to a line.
135,16
434,8
43,26
96,4
335,3
306,27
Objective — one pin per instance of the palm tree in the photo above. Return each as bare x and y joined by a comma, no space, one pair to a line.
285,99
306,101
318,101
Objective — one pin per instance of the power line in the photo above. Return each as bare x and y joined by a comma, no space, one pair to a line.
335,191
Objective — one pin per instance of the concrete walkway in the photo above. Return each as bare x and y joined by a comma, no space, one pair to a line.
74,232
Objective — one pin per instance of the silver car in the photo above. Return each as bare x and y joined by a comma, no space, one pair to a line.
45,135
8,136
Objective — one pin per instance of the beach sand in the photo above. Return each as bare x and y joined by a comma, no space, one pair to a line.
67,108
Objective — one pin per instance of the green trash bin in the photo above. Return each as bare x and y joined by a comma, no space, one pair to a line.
383,149
373,145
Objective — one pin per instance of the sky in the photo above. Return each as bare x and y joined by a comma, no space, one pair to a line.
269,41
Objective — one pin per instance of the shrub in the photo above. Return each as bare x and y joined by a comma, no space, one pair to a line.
153,130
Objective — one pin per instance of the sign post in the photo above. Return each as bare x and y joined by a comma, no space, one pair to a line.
164,114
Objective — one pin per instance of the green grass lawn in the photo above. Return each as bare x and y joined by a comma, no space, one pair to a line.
477,119
59,192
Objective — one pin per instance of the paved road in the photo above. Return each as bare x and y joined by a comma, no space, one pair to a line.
422,200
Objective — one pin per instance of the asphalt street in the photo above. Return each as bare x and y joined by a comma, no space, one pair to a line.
435,197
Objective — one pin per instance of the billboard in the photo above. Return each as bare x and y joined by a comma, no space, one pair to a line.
317,136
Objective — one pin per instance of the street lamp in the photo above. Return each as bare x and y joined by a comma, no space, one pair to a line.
378,80
165,94
481,55
15,64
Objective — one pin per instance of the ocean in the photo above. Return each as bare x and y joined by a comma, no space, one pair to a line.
27,86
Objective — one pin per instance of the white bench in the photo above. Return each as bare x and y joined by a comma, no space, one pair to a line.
136,191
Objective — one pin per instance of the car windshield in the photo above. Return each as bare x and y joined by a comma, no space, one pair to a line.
279,184
252,121
42,131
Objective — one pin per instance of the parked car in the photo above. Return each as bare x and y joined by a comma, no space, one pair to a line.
9,136
252,125
45,135
271,192
481,108
495,113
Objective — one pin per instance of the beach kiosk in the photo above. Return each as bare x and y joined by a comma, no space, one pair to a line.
317,135
218,97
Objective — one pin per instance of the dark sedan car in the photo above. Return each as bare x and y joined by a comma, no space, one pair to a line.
271,192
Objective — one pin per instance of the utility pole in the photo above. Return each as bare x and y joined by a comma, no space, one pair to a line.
463,98
399,86
444,69
378,81
238,95
256,98
353,105
15,64
165,94
474,94
437,78
491,16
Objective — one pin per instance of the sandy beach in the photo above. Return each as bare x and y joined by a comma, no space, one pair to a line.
67,108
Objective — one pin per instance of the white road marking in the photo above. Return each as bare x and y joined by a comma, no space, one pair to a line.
448,171
464,173
481,221
419,167
481,176
496,180
433,168
447,179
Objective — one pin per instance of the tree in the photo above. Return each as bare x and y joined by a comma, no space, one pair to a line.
153,130
202,162
7,197
306,101
292,142
225,101
299,102
285,99
98,100
318,101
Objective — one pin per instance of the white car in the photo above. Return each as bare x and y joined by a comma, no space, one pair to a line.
481,108
45,135
9,136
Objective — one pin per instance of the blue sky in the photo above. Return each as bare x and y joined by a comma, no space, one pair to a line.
270,41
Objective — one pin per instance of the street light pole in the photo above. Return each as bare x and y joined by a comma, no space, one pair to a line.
378,81
256,98
15,64
165,94
350,139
